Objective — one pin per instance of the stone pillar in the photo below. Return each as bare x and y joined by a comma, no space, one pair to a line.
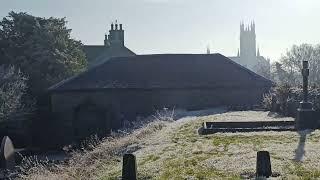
305,113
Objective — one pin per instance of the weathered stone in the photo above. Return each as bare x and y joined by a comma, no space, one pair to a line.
292,108
305,74
7,159
263,168
245,126
305,119
305,113
129,168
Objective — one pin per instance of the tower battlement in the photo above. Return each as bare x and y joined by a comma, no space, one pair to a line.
248,27
247,41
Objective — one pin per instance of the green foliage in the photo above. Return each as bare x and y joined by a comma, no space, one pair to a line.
191,168
13,98
41,47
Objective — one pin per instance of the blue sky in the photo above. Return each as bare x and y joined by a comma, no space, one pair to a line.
184,26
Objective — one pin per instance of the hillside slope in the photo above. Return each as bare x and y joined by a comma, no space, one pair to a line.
178,152
175,150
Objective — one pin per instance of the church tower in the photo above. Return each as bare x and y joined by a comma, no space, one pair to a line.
248,44
249,55
115,36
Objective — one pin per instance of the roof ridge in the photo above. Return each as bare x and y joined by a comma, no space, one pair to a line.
246,69
120,62
84,72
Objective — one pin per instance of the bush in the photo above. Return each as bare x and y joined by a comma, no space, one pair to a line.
267,101
285,99
13,98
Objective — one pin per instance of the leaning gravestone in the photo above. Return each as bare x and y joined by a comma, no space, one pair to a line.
7,160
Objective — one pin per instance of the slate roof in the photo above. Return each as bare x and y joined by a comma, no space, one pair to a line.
97,54
164,71
235,59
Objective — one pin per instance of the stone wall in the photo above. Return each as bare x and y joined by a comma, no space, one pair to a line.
127,104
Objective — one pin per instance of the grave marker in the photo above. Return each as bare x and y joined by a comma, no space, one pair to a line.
263,168
7,159
305,113
129,168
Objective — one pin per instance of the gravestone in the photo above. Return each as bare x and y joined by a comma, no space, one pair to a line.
129,168
7,159
305,113
263,166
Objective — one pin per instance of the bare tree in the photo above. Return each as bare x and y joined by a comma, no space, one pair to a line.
289,66
263,68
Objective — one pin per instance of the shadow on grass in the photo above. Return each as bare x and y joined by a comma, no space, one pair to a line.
300,152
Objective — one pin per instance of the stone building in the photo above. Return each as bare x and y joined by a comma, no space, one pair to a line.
249,56
123,88
114,46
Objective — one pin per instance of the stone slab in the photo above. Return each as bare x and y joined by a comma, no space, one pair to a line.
247,126
306,119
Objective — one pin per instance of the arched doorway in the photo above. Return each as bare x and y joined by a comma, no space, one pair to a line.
90,119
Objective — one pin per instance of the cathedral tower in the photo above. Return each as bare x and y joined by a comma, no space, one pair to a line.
248,44
249,55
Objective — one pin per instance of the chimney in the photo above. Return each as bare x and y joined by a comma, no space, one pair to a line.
116,35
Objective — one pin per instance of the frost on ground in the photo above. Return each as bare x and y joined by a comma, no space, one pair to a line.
178,152
175,150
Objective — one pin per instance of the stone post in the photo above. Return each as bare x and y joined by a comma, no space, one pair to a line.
263,164
129,168
305,113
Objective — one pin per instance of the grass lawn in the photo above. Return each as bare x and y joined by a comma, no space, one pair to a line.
179,152
175,150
